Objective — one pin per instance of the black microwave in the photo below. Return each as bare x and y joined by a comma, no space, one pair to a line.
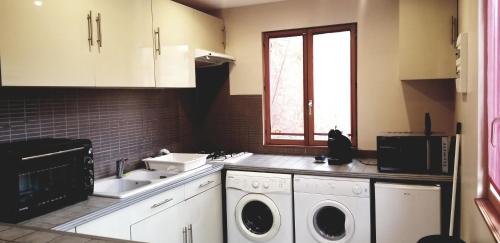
414,153
39,176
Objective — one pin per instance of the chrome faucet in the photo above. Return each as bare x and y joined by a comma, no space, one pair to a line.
120,165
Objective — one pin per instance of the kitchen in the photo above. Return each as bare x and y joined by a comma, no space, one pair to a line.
125,76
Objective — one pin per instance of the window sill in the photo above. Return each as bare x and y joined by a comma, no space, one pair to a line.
490,215
294,146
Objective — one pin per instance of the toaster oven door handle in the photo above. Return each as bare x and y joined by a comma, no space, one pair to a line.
54,153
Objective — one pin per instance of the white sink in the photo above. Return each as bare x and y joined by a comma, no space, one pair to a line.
138,181
115,187
149,175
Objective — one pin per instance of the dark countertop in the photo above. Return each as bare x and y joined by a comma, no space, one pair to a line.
25,234
68,218
305,165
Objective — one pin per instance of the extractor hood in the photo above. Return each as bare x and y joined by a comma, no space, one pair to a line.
206,58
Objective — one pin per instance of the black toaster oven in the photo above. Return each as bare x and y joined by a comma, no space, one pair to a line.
39,176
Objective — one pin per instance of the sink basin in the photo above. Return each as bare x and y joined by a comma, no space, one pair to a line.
117,188
140,175
139,181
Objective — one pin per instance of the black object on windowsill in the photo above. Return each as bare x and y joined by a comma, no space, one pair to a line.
340,148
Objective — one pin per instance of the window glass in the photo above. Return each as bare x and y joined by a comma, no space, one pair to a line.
286,87
332,83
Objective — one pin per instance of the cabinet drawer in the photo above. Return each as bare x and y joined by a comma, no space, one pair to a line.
159,202
200,185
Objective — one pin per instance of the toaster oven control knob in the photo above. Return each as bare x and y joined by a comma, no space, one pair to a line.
255,184
89,161
91,182
89,151
357,189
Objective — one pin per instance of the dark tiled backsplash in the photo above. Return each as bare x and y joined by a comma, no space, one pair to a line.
136,123
120,123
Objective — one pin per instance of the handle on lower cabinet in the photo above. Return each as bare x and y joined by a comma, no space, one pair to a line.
190,230
184,235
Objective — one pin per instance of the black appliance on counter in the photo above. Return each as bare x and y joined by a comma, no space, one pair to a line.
413,153
425,153
339,147
39,176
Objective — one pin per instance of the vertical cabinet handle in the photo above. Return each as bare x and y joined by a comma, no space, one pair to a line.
454,30
158,41
98,21
190,230
90,30
184,235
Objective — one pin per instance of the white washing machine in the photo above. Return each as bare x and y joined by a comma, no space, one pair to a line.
331,210
259,207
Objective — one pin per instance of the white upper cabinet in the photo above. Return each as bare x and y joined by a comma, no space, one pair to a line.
45,43
425,39
174,54
103,43
207,32
124,43
178,32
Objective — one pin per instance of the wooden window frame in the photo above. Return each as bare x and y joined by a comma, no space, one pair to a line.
489,204
308,82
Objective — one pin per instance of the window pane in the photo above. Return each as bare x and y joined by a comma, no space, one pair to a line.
332,83
286,88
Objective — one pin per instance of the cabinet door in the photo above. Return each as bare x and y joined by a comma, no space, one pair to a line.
174,61
45,43
114,225
166,226
207,32
117,224
205,216
425,32
124,42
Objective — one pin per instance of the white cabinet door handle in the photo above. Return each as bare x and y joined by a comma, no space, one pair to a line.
161,203
190,230
184,235
206,184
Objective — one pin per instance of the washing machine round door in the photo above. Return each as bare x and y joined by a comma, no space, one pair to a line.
331,222
257,217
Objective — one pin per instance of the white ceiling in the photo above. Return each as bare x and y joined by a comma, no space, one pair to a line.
221,4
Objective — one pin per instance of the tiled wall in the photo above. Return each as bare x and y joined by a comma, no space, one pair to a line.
120,122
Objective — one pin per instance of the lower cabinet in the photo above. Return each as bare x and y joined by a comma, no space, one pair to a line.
166,226
191,213
198,219
202,210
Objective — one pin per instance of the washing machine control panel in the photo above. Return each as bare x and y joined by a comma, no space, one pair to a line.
258,184
332,186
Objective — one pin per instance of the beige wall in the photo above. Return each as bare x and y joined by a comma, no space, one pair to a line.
467,108
384,102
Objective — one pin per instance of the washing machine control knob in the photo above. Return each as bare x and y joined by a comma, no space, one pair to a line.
357,189
265,185
255,184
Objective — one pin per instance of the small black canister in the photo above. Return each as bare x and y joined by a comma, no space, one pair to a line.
340,148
